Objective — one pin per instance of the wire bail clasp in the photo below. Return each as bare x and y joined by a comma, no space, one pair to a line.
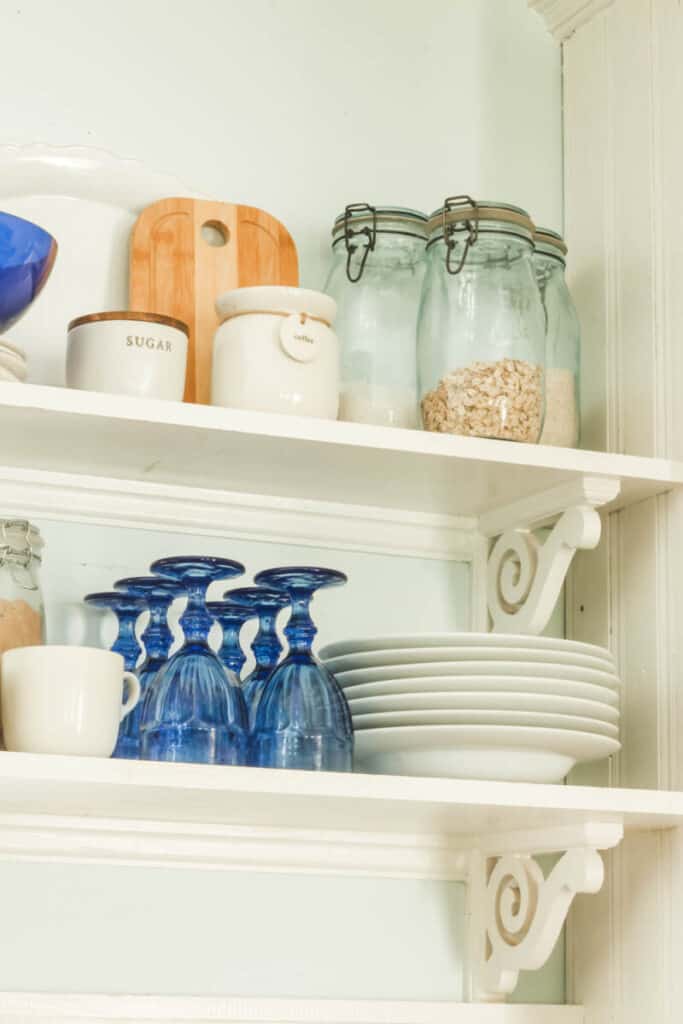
449,229
370,233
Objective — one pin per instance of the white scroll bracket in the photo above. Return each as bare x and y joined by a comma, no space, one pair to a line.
524,573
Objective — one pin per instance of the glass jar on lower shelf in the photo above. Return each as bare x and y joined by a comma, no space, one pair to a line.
376,278
563,342
481,331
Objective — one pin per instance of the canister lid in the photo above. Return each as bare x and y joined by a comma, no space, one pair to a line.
127,314
545,239
403,219
484,210
278,300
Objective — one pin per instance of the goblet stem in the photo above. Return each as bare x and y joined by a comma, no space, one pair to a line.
300,630
126,643
157,637
231,653
195,620
266,644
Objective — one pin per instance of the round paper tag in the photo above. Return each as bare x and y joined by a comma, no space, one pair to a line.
301,338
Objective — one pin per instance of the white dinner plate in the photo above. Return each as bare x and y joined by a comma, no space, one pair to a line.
88,200
474,700
506,752
394,642
482,684
405,655
535,719
474,668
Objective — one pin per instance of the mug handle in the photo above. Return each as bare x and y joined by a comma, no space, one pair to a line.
134,693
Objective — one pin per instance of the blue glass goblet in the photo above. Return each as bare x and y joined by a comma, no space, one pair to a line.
194,710
158,594
266,644
127,610
302,718
231,617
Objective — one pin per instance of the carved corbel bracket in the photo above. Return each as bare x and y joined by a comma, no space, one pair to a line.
525,574
518,912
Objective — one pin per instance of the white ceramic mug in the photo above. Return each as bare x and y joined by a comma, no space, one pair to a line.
65,700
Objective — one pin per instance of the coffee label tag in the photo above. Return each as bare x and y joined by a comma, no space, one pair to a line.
301,338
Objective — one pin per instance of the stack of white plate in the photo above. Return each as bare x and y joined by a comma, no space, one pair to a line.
478,705
12,362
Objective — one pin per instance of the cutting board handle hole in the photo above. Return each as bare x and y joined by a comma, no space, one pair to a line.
214,233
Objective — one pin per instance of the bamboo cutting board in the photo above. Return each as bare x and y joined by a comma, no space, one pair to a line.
185,252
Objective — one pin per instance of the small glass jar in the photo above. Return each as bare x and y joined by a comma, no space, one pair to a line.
22,622
563,342
376,279
481,332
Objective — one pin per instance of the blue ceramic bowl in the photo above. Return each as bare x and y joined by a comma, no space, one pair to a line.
27,254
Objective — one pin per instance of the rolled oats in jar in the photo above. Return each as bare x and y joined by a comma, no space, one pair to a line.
481,333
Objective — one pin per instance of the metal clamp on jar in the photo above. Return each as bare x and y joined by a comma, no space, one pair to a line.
21,602
481,335
376,278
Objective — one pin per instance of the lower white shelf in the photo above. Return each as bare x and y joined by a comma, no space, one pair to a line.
24,1007
136,812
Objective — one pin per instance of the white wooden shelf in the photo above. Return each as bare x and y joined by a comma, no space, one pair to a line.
90,809
41,1008
63,431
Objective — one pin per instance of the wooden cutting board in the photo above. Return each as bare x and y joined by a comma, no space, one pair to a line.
185,252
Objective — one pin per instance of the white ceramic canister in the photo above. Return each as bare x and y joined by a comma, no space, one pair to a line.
128,353
275,351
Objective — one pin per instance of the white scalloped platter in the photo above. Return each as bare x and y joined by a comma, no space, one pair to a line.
88,200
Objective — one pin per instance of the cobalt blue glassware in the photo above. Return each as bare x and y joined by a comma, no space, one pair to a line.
158,594
194,710
266,644
231,617
27,254
127,610
302,718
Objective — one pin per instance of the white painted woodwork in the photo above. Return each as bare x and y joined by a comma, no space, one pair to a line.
91,809
61,431
37,1008
624,206
563,17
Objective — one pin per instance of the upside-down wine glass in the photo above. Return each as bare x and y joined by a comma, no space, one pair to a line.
231,617
127,609
194,710
158,594
302,718
266,644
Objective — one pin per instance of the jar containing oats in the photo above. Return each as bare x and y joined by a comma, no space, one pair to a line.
376,279
562,342
21,602
481,332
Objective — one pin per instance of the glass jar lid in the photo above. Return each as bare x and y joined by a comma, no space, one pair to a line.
360,224
396,220
550,243
463,219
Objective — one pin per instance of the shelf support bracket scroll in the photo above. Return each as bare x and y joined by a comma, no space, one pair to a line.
525,574
520,912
